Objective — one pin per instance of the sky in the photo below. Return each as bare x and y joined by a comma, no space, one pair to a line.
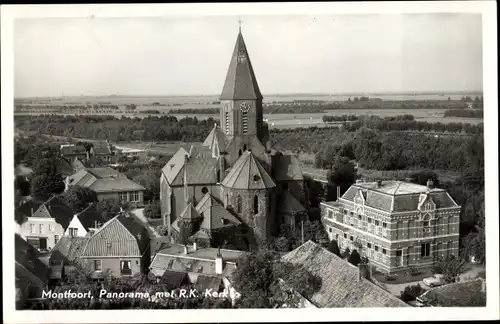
380,53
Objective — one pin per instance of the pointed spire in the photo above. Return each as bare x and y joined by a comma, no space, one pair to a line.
184,180
241,83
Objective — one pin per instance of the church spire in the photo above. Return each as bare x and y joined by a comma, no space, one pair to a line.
241,83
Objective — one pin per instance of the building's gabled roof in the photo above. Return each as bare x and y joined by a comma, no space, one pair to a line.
103,180
204,283
200,170
121,236
289,204
248,173
398,196
173,279
90,217
189,212
68,248
241,82
101,150
54,207
215,216
216,138
28,267
341,284
73,150
174,165
286,168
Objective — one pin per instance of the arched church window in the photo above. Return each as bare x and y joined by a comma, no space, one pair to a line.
244,148
239,152
238,204
218,175
255,205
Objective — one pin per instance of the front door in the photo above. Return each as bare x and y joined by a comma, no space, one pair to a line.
399,258
43,243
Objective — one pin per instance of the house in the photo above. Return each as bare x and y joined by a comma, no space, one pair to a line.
395,224
343,284
85,222
205,267
31,274
71,151
130,152
460,294
120,246
108,184
235,166
103,152
65,256
42,224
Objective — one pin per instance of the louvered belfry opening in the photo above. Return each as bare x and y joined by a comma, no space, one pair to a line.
244,122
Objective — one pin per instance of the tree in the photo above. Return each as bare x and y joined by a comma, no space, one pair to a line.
23,185
334,247
475,242
346,253
46,179
151,181
282,244
152,210
354,258
262,280
77,198
411,293
451,268
342,173
421,177
108,208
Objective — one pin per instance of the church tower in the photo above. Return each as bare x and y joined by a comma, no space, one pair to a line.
241,100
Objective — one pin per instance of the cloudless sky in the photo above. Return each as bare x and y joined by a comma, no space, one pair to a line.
290,54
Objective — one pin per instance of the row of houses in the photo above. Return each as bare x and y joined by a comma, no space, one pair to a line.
102,152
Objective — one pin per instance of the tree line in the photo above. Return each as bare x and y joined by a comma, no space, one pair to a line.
464,113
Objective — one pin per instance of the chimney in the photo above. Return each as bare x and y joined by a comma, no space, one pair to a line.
194,243
430,184
338,192
218,262
185,249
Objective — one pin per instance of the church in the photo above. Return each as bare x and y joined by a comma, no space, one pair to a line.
234,190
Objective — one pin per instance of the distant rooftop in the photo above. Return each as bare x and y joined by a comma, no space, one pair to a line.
396,187
201,253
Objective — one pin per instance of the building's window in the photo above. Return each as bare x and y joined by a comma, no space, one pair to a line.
51,228
337,237
41,228
56,239
345,212
73,231
425,250
330,229
345,235
239,152
244,148
360,217
330,214
352,214
137,262
135,196
255,205
97,265
218,176
123,196
376,248
384,225
244,122
125,268
32,229
377,223
351,238
384,251
238,204
200,270
369,220
426,223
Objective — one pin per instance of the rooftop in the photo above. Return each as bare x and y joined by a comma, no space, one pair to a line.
248,173
201,253
396,187
460,294
341,283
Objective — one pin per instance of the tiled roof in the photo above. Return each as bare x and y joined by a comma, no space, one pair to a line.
102,150
103,180
69,150
173,279
28,267
216,138
89,216
241,82
68,248
286,167
214,214
208,282
200,170
26,210
174,165
457,294
397,196
248,173
189,212
120,236
289,204
341,284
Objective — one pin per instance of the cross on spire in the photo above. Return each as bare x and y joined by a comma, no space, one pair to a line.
239,23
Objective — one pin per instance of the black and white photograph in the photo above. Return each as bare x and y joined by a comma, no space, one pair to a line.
250,159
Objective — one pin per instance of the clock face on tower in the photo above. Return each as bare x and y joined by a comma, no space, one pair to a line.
244,107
